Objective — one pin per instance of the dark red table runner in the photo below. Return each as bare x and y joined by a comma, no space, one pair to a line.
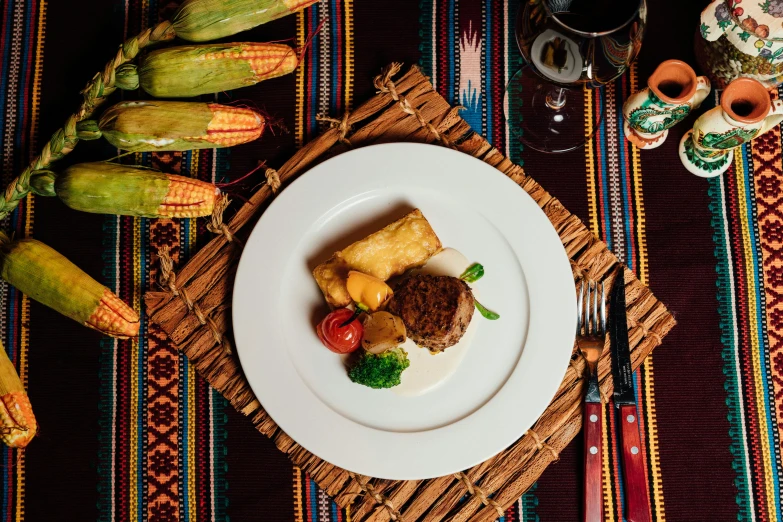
129,432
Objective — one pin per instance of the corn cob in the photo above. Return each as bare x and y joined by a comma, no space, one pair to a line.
48,277
182,72
145,126
109,188
17,422
205,20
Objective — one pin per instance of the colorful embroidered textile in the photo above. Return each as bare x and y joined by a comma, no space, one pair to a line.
747,207
129,432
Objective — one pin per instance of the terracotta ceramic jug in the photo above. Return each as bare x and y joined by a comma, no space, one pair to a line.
745,112
673,90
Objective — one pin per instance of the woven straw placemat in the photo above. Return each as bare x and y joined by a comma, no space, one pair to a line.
194,310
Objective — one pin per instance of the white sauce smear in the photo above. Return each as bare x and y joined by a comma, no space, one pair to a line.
427,370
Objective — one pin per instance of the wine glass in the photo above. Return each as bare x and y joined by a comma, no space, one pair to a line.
571,46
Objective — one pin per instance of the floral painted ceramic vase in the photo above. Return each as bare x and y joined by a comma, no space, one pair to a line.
673,90
741,38
745,112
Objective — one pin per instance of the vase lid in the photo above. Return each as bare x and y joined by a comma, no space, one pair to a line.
755,27
762,19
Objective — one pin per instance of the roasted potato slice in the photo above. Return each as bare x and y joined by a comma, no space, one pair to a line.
382,331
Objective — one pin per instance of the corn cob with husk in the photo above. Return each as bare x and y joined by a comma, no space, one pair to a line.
110,188
205,20
183,72
145,126
48,277
17,422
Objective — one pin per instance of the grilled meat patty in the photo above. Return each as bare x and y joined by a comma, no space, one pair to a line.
436,310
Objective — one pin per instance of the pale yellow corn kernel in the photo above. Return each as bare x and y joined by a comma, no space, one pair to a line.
113,317
224,119
188,197
229,138
17,422
265,68
266,60
227,126
232,126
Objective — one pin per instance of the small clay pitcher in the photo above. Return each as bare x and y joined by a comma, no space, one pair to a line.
672,92
745,112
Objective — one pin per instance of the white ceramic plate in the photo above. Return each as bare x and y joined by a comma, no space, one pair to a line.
513,367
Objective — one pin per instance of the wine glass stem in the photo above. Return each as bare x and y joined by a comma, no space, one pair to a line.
556,98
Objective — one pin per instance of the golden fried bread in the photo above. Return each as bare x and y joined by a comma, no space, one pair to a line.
407,243
331,277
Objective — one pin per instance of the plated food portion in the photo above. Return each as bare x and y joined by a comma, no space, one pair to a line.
394,295
435,421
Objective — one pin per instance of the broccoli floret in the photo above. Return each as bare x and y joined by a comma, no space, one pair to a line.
380,371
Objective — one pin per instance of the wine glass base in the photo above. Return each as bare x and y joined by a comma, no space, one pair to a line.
544,117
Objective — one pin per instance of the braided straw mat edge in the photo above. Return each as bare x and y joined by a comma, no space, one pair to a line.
193,310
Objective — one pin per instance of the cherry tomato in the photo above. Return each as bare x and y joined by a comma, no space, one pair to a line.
340,339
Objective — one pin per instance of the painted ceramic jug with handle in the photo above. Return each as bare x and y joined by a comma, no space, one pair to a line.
673,90
745,112
741,38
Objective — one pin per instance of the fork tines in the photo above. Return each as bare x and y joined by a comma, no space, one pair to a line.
591,309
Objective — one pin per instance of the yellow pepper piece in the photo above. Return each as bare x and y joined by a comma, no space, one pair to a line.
367,290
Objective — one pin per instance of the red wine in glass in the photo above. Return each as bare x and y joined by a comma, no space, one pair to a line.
569,46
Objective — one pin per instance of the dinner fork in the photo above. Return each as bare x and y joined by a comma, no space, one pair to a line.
590,337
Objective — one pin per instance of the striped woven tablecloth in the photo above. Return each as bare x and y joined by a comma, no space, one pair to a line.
129,432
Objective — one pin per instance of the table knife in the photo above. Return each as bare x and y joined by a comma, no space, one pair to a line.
634,473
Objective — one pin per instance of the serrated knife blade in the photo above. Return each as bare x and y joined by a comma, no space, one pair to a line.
620,348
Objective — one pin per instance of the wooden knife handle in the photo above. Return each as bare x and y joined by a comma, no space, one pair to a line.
637,501
593,506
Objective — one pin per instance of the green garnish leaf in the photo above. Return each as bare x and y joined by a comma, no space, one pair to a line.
473,273
488,314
